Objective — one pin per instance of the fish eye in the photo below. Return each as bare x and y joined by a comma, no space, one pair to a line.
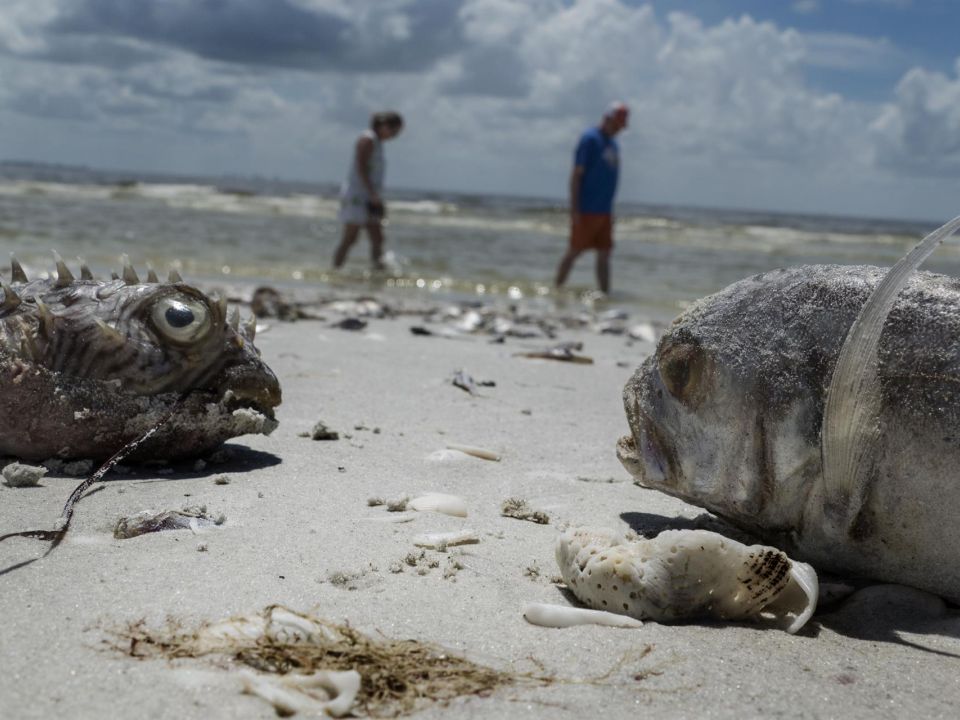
181,319
681,369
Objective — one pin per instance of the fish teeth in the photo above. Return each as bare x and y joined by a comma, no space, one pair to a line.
250,327
174,276
235,319
152,274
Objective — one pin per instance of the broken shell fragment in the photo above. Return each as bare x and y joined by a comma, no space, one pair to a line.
326,692
442,540
441,503
563,616
684,574
481,453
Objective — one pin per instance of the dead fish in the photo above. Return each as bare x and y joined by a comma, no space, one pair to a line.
268,302
565,352
350,323
464,380
190,518
87,366
818,408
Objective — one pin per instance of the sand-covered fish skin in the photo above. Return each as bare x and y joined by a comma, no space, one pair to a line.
727,415
86,366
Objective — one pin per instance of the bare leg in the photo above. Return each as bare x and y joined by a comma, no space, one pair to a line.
603,270
375,232
565,265
350,233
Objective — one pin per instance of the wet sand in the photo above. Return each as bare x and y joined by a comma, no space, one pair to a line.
299,532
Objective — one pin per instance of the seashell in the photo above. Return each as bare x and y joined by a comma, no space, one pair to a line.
277,624
287,627
225,633
643,331
394,518
441,503
442,540
446,456
327,692
563,616
475,452
684,574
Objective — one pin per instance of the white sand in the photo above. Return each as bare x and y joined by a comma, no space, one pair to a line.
292,524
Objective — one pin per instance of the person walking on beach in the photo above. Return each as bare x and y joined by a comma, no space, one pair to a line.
360,203
593,183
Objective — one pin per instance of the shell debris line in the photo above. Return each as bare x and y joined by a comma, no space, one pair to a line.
686,574
302,663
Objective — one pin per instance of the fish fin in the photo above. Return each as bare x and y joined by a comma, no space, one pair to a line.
850,429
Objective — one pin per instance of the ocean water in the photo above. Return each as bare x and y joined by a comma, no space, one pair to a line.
252,231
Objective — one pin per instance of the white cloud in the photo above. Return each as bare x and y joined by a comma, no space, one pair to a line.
892,3
842,51
806,7
722,113
920,131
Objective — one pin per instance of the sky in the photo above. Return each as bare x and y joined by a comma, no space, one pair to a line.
847,107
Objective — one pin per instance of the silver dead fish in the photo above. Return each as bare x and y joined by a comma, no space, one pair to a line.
87,366
819,408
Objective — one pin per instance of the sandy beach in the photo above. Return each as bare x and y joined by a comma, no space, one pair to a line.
298,531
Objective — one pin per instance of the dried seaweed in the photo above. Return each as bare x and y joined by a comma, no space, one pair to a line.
397,674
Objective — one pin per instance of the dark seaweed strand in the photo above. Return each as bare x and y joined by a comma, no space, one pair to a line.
55,537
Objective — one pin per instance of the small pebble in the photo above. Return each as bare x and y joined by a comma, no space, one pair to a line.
221,480
201,547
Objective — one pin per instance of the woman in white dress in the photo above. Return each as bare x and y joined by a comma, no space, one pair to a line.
360,203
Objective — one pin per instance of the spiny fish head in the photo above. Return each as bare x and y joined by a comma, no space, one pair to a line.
141,338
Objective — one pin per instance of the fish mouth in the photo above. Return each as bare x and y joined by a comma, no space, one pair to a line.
255,391
643,458
644,453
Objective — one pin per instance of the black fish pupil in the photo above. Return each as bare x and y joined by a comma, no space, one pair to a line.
179,316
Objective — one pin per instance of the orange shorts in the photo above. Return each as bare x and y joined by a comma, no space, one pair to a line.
593,231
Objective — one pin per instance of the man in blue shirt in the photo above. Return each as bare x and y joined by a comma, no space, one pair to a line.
593,183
